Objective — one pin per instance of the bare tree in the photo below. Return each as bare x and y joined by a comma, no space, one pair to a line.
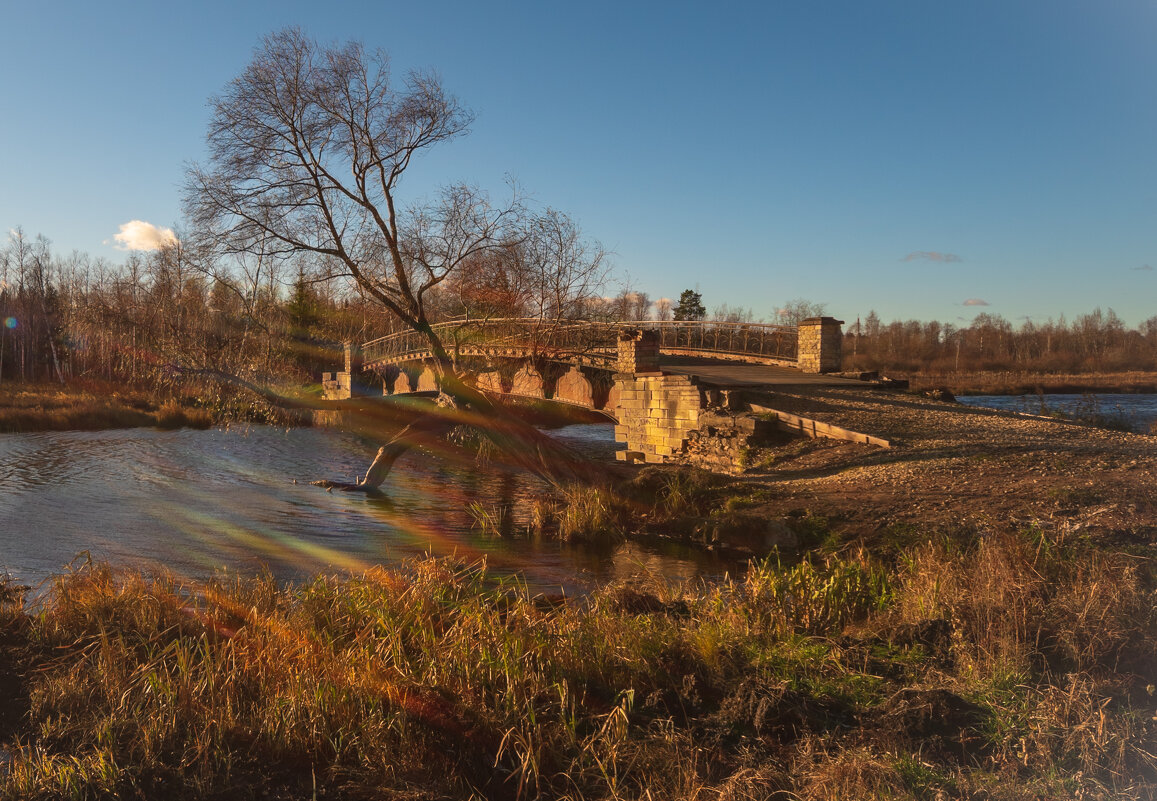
623,307
641,306
5,306
794,311
663,309
307,149
43,289
547,271
732,314
31,299
566,272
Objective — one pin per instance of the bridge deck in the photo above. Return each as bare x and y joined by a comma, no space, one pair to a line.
732,374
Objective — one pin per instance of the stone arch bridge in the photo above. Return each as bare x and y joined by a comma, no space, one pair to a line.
615,368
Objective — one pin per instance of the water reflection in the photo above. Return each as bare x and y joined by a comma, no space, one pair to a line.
198,501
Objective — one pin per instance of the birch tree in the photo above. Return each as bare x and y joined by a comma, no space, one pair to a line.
307,151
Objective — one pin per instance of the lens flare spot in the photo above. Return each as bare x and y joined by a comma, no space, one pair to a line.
9,322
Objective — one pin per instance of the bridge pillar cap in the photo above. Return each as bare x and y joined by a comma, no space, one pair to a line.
822,320
629,334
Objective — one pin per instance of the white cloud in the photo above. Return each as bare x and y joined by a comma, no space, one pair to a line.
931,255
141,235
975,302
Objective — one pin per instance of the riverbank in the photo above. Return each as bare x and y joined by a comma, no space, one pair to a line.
951,467
98,406
1029,383
55,407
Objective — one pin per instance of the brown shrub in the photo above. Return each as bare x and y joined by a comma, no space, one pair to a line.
1012,596
1079,727
848,774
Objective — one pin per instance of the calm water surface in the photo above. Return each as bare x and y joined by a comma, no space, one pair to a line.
1139,409
199,501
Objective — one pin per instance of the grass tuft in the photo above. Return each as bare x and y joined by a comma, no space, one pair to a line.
591,514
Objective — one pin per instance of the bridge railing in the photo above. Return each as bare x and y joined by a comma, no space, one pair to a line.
711,337
597,342
592,342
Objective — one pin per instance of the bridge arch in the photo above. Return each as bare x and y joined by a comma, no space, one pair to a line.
592,387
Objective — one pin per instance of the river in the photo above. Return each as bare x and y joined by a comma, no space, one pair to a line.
197,502
1137,410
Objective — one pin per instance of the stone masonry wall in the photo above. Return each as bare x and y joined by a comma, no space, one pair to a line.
638,351
344,385
820,345
656,415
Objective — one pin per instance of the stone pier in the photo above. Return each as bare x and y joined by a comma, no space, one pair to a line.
820,345
656,413
344,385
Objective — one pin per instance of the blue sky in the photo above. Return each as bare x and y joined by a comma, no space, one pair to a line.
905,157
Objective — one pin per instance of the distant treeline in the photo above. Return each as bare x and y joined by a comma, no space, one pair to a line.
161,313
173,313
1094,342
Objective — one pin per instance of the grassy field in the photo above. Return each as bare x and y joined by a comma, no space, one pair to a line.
993,666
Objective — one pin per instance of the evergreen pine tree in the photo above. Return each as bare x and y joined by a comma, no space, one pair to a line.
690,306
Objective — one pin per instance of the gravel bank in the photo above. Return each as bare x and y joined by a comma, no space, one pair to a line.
952,465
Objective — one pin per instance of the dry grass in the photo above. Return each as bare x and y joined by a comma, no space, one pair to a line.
173,415
1009,382
591,514
53,408
90,406
1016,598
1014,668
577,513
